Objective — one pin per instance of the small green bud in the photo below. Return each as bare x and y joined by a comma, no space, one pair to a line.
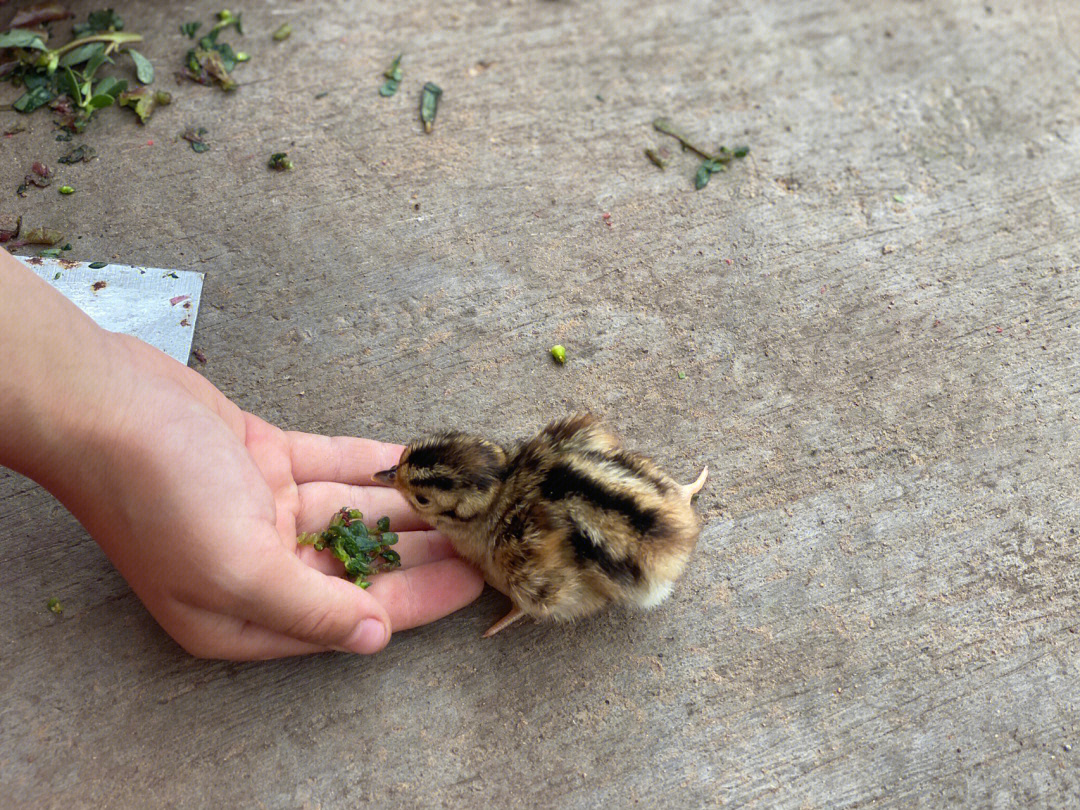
243,56
54,605
558,353
67,190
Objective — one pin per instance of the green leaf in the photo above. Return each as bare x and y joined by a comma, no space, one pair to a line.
98,21
110,87
741,151
96,61
100,101
190,28
83,53
97,265
283,33
68,84
383,525
701,179
32,99
51,253
429,104
144,69
21,38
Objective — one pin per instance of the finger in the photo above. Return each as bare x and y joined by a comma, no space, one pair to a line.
319,502
426,593
212,635
343,459
415,548
289,597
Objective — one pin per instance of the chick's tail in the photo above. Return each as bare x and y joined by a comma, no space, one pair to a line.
690,490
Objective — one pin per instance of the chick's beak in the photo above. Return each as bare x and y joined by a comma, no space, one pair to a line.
385,476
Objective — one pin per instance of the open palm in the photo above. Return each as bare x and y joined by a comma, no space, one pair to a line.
199,504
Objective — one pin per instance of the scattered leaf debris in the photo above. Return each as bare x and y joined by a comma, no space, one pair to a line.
363,551
41,236
97,265
197,139
177,299
283,33
10,225
51,253
713,163
82,153
198,356
99,285
143,101
681,375
66,78
189,29
279,161
660,157
558,354
212,62
54,605
429,104
393,78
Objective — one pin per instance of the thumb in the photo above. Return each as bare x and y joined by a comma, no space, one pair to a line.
298,601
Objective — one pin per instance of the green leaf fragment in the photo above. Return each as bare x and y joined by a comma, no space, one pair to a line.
142,101
97,265
196,138
65,190
279,161
51,253
32,99
81,153
283,33
21,38
429,104
681,375
54,605
144,68
190,28
558,354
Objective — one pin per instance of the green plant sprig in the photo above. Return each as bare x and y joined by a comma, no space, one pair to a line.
363,552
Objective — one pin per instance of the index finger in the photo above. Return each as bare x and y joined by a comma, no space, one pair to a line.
340,459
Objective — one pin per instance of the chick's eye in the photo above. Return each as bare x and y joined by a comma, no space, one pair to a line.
420,499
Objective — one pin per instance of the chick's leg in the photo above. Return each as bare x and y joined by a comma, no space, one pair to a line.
507,620
690,490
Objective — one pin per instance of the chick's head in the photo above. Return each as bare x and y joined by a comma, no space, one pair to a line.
452,477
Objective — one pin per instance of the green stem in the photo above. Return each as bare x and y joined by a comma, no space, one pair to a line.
116,38
665,126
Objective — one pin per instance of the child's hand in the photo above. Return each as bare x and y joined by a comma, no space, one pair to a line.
199,504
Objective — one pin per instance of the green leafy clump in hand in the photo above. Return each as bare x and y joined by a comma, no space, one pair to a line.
393,78
66,78
212,62
364,552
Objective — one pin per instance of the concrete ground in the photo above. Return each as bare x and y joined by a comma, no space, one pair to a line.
877,318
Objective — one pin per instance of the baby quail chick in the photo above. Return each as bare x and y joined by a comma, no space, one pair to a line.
563,524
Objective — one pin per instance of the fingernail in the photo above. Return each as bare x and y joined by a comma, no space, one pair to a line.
368,637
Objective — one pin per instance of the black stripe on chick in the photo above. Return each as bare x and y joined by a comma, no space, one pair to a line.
563,481
585,550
